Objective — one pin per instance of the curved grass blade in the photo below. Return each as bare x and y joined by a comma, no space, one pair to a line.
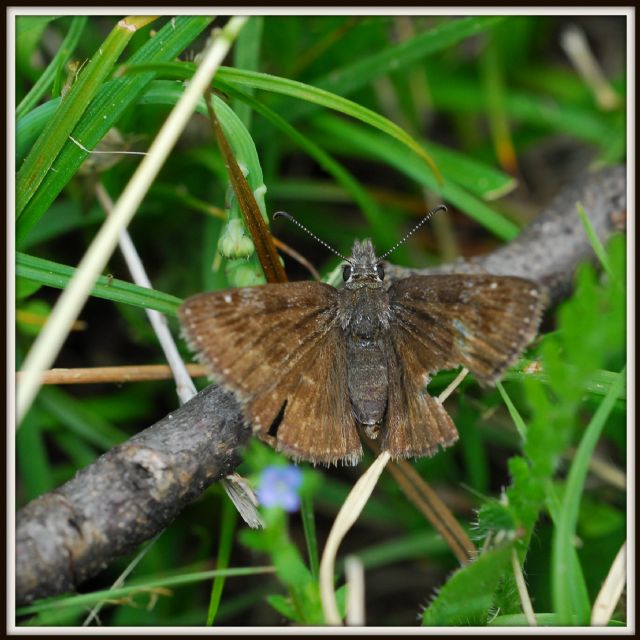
562,545
395,155
301,91
85,599
349,79
57,275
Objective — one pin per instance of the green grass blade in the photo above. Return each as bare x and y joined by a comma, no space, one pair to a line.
59,60
598,248
80,420
56,133
104,112
395,155
349,79
562,584
513,412
309,525
246,55
227,528
58,275
301,91
32,459
87,599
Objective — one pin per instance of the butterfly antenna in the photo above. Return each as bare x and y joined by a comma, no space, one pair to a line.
288,216
440,207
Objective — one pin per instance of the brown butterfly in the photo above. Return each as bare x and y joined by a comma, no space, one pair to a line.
310,363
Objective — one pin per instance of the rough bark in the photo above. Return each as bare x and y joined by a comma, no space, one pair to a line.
136,489
126,496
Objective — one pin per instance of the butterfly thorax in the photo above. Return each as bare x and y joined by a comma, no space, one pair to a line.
364,315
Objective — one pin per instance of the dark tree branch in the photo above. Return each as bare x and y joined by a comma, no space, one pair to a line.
126,496
135,490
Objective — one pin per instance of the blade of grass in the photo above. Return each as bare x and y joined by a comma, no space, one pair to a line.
47,147
393,154
246,55
301,91
59,60
49,341
58,275
598,248
309,524
227,528
86,599
494,91
33,463
347,80
345,519
568,515
78,419
513,412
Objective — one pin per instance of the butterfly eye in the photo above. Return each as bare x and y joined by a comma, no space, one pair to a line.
380,271
346,272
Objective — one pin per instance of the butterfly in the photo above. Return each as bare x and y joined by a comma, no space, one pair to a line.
310,363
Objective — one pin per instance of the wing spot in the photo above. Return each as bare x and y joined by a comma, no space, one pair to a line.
225,372
533,292
199,338
227,297
493,285
532,307
187,311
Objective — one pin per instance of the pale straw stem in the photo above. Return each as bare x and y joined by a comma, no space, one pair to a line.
354,576
345,519
611,590
525,600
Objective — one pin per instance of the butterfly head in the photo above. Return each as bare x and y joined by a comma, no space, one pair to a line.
363,266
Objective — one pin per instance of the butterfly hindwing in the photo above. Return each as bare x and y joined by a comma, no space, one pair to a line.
416,424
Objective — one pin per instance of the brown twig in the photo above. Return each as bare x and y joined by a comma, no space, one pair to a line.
132,373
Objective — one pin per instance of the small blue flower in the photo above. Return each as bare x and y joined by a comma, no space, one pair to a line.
279,487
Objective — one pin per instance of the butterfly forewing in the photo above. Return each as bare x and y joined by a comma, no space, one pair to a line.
482,322
278,347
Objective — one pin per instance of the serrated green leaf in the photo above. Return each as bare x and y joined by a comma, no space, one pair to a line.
467,597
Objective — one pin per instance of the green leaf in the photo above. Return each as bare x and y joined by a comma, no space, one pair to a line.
467,596
58,275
